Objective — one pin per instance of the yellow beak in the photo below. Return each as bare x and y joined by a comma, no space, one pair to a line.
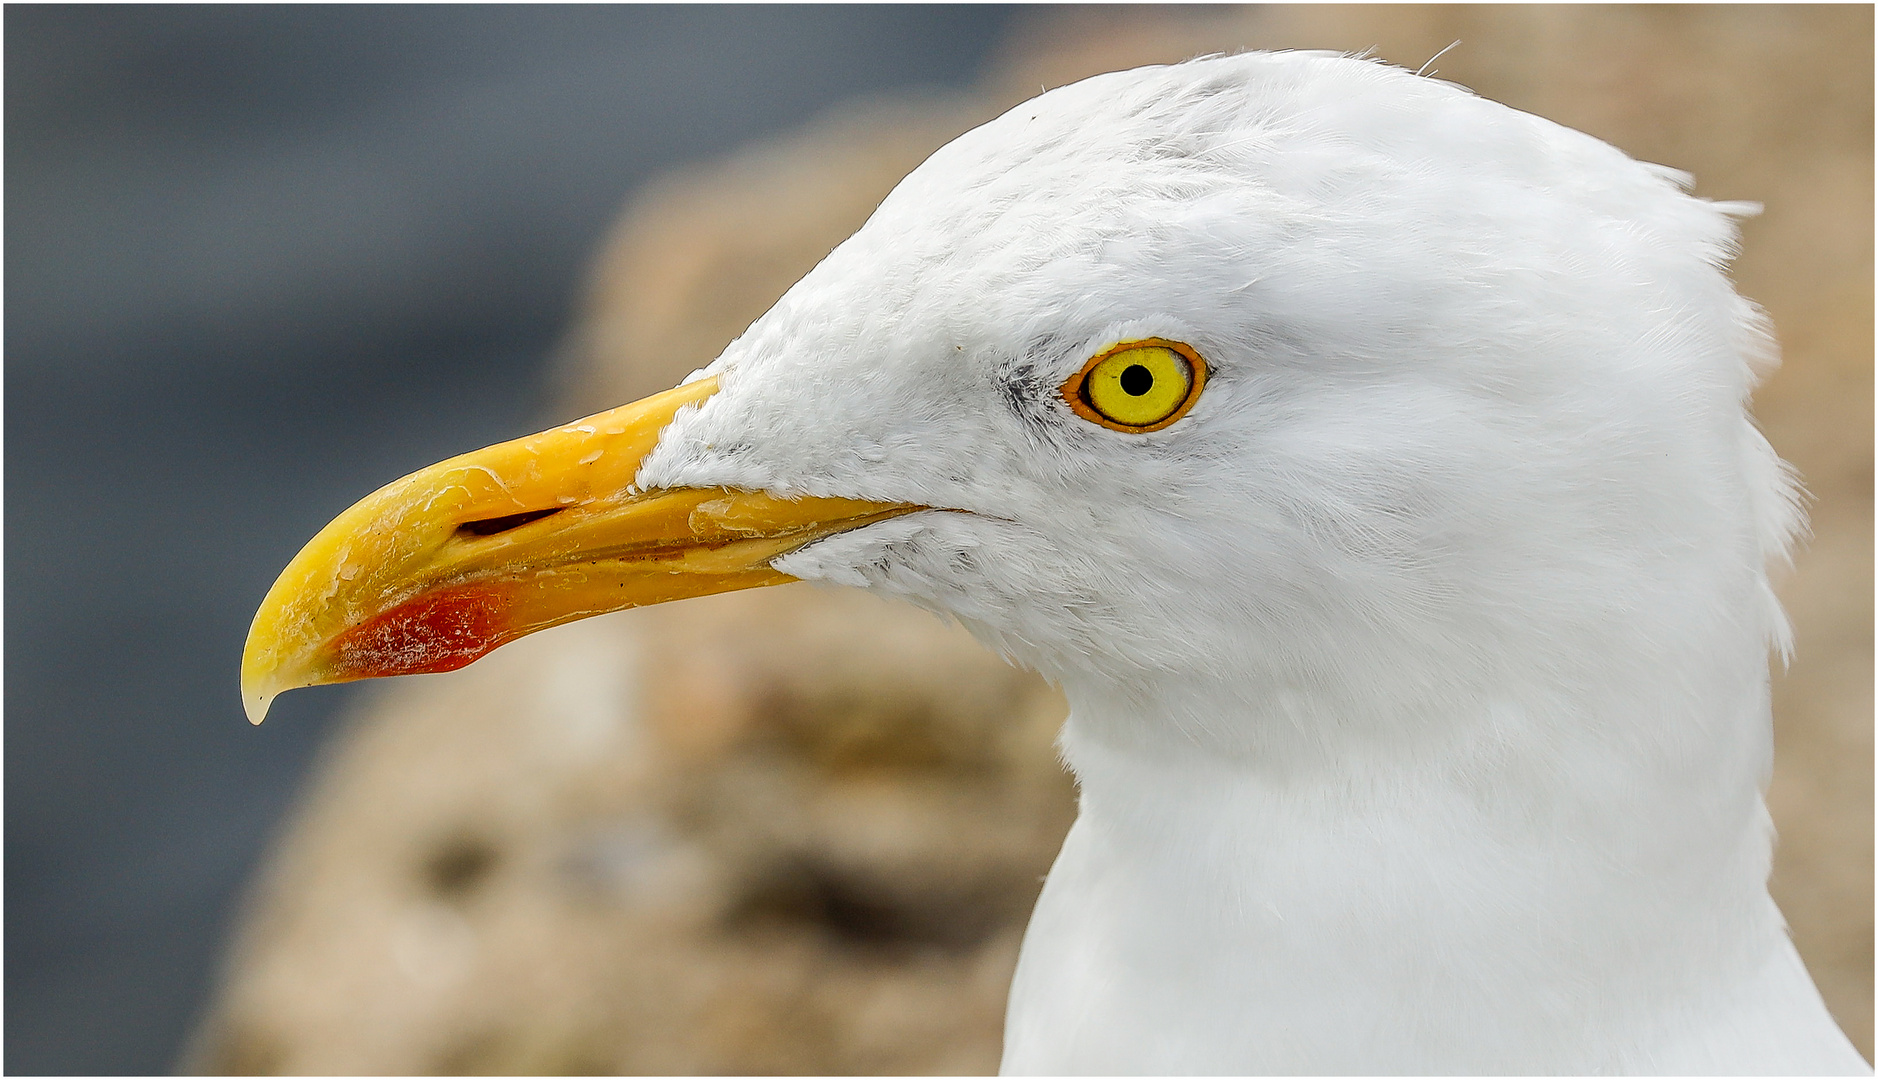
435,570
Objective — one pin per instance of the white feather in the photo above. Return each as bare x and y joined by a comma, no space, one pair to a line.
1419,675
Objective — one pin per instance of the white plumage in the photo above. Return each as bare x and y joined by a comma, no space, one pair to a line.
1418,675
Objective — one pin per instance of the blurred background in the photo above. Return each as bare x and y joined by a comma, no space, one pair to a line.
261,260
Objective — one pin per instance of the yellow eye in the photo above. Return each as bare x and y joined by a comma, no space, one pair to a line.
1137,385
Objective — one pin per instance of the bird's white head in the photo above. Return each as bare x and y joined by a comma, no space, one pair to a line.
1415,398
1472,411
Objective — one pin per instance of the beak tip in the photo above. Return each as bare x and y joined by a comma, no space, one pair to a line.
258,694
256,706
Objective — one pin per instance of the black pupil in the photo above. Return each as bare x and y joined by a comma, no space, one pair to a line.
1137,380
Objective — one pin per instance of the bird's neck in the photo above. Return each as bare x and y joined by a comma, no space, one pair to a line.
1576,815
1527,863
1657,776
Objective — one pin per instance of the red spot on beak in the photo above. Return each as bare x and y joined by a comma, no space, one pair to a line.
439,631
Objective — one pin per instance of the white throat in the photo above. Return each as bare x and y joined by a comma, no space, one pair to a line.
1478,906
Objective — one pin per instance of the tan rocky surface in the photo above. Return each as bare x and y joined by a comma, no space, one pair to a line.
799,830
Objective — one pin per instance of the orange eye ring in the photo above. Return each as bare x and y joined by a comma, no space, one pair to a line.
1167,380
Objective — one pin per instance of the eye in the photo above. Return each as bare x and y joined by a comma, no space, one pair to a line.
1137,385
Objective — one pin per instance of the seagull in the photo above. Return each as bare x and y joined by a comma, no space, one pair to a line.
1367,461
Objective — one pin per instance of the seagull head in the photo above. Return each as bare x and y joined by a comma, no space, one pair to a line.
1233,395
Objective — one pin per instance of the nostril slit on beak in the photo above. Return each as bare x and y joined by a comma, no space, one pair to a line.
492,526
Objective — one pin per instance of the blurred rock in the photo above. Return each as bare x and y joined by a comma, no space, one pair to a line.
800,830
750,837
